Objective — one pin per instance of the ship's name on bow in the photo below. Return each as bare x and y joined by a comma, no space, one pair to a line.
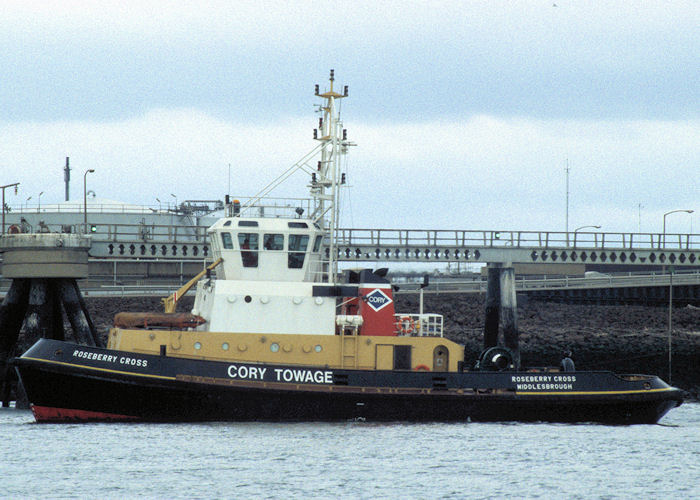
298,375
110,358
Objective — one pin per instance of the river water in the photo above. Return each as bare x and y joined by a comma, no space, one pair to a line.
350,460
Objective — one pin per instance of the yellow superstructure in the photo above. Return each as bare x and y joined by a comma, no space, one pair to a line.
328,351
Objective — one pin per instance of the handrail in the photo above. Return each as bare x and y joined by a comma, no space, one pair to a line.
567,282
518,239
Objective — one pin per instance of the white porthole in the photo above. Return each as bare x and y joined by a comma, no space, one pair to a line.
318,348
224,346
197,345
274,347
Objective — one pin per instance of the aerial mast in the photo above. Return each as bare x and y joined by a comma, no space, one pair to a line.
326,181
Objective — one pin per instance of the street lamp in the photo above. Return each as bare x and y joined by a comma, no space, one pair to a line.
3,201
85,197
171,194
673,212
39,208
582,227
26,204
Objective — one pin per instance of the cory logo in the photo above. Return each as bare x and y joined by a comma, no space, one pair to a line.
377,299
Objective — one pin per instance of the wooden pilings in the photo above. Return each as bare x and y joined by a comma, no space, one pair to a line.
38,304
12,313
501,306
73,304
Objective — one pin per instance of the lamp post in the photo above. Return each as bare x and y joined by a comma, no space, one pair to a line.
171,194
3,201
583,227
663,267
39,207
85,197
673,212
26,204
160,207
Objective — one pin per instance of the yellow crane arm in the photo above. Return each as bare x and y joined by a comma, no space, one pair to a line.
170,302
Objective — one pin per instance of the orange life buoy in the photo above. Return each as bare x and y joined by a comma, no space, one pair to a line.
406,325
14,229
422,367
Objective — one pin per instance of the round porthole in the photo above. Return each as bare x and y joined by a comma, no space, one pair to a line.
197,346
224,346
274,347
248,298
318,348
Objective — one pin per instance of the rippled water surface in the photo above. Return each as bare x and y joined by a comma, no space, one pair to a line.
350,460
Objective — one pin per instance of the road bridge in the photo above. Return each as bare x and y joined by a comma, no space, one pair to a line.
173,242
541,247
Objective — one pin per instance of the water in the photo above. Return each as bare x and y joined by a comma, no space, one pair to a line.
350,460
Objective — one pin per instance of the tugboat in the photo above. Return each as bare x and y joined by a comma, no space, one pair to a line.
281,334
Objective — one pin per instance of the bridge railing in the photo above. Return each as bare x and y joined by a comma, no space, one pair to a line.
631,280
518,239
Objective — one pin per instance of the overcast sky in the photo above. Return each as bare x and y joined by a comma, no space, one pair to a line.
465,113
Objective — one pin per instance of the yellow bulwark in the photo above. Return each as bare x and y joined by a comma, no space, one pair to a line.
327,351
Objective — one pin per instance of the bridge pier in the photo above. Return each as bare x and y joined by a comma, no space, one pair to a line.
43,268
502,306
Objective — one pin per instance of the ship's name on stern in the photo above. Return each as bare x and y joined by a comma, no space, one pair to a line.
544,382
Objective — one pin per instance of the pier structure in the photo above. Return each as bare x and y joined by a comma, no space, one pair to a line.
43,268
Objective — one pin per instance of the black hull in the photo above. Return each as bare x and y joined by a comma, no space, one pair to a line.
175,389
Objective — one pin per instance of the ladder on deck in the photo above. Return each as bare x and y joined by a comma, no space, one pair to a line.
348,351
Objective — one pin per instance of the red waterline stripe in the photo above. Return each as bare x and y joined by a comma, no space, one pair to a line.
50,414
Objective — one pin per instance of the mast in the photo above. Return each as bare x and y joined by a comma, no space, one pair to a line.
326,181
326,178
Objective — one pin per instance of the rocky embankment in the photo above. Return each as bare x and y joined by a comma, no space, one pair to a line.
631,339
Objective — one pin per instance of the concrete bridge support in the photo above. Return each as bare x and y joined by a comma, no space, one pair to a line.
43,268
501,306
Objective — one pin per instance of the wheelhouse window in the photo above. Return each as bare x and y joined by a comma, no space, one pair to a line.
227,241
249,246
273,242
298,243
317,243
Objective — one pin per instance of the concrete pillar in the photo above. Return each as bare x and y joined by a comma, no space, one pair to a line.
509,313
493,304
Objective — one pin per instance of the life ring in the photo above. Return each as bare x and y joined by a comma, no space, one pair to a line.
406,325
14,229
422,367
